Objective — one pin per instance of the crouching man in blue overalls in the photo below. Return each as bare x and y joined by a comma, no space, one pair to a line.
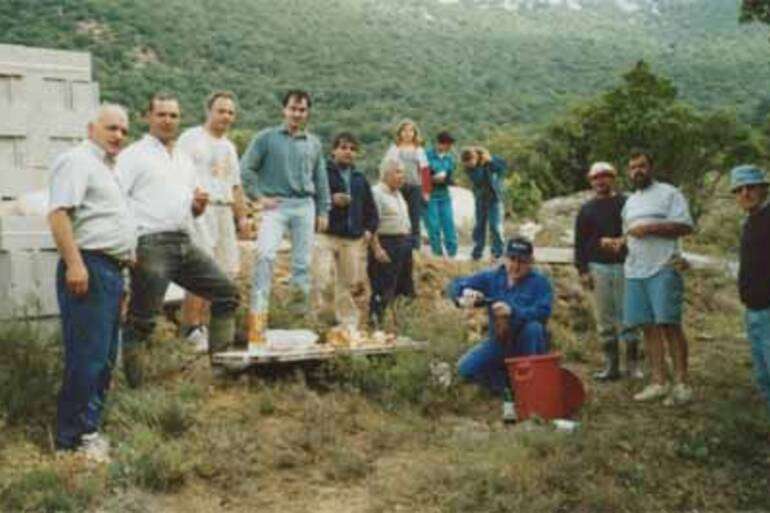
518,300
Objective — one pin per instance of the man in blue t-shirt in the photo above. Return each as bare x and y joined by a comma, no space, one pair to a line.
519,301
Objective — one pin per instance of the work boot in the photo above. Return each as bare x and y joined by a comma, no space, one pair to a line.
633,364
256,326
611,371
133,366
221,332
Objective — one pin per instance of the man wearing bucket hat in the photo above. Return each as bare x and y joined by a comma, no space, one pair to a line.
518,301
601,269
749,184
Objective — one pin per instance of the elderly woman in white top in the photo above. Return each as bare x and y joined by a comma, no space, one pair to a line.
390,257
408,149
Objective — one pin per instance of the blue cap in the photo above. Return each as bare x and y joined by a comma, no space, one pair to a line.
518,247
746,175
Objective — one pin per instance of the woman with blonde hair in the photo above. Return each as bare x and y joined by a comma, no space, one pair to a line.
407,149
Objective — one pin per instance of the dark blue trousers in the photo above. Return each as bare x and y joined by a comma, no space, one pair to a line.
90,330
485,362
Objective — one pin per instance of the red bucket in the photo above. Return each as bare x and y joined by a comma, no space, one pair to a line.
538,384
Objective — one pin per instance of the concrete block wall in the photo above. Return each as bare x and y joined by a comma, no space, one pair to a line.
46,99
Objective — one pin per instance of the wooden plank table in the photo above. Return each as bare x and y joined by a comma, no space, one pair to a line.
242,359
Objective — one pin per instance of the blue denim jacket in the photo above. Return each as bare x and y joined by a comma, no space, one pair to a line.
487,180
530,300
361,214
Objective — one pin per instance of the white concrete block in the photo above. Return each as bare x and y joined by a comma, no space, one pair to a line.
25,233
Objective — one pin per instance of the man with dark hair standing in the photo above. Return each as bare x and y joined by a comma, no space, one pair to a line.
164,196
96,238
655,217
439,218
284,168
601,269
519,301
749,184
352,221
216,164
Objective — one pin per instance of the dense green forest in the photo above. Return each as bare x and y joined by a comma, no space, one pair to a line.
474,69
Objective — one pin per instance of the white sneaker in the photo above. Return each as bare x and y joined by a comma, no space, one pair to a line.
95,447
509,412
680,394
199,338
651,392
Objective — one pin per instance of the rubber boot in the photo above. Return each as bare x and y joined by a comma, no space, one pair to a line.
221,332
633,364
611,371
133,366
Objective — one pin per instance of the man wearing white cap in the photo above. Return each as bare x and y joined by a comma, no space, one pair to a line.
750,186
600,265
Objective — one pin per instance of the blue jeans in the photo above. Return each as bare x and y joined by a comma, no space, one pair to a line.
171,257
439,221
485,362
758,330
488,213
608,303
298,216
90,330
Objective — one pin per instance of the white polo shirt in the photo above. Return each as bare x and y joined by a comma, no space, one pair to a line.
159,186
82,183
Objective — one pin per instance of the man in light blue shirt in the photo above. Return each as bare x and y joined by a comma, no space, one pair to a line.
655,216
284,168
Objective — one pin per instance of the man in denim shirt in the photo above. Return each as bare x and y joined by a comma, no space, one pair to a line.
519,296
284,168
352,221
486,173
439,219
750,186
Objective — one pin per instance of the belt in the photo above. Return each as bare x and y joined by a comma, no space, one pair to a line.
165,237
119,263
393,236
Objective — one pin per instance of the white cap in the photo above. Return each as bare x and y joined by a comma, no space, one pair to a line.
598,168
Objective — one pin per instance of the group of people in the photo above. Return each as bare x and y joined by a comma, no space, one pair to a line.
169,208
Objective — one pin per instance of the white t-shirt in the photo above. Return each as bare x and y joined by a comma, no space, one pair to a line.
215,160
658,203
159,186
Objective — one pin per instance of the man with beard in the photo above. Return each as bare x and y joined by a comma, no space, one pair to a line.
601,269
655,217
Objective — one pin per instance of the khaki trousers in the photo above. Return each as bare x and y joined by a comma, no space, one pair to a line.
338,260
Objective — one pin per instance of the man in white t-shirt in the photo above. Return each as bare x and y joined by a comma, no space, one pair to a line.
164,195
216,164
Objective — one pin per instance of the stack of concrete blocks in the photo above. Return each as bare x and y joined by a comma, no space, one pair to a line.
46,100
